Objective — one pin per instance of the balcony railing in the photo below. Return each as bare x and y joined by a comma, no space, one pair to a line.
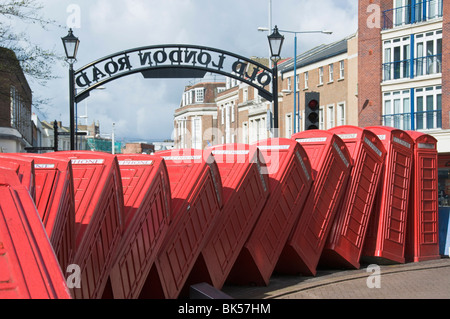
401,121
396,70
431,64
422,120
413,13
428,119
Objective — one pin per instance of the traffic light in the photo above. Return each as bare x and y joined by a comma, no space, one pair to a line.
312,110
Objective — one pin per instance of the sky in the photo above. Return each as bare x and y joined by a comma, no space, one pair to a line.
141,108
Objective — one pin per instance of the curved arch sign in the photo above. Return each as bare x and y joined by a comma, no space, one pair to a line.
173,61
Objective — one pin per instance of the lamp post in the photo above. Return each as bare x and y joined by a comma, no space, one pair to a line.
275,43
295,65
71,44
113,139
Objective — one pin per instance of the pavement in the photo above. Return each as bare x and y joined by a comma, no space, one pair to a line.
414,280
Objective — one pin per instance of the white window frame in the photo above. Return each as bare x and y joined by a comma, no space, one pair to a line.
197,132
256,95
288,125
321,118
306,79
389,46
341,70
330,116
331,72
321,75
398,104
182,133
199,95
341,114
399,13
245,133
433,11
257,129
427,121
233,115
427,67
227,124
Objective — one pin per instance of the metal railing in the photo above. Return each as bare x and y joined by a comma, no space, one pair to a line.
413,13
396,70
428,119
401,121
427,65
422,120
431,64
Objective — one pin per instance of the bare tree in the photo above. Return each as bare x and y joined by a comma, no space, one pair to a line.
36,61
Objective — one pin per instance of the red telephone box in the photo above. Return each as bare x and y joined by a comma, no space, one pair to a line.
147,211
29,268
98,217
24,167
55,203
331,164
422,235
385,238
197,198
290,181
245,191
345,242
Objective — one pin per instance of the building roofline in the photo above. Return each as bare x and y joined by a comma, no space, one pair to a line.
318,53
201,84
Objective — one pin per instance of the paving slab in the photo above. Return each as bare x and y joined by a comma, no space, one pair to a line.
424,280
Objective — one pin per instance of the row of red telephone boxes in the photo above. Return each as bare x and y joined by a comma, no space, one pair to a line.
94,225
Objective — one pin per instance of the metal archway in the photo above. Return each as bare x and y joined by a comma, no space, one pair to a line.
172,61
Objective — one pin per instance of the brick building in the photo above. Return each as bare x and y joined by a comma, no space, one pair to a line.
227,114
16,127
329,69
403,66
242,114
138,148
239,114
404,71
195,121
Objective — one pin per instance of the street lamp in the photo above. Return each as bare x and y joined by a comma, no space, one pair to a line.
71,44
275,43
295,66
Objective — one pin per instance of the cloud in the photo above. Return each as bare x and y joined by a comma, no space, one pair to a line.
143,108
